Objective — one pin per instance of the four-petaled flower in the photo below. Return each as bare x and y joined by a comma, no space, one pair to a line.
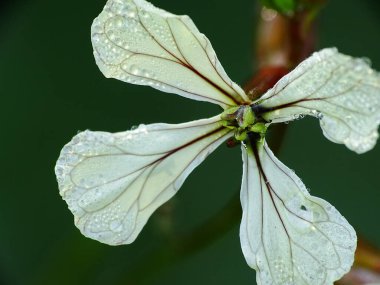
112,183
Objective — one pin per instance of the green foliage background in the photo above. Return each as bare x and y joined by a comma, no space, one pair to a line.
50,88
283,6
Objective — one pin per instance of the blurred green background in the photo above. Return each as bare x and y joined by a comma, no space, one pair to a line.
50,89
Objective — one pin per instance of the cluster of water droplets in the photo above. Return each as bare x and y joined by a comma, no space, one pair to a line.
125,36
317,114
133,73
353,106
309,271
319,238
313,112
159,28
83,145
71,155
109,29
68,159
342,88
113,224
125,8
98,214
282,273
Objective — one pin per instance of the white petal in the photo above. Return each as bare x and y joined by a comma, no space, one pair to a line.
344,92
112,183
138,43
288,236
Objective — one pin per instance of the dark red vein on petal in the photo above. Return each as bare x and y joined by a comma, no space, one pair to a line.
186,64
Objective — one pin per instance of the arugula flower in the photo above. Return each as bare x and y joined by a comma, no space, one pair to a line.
112,183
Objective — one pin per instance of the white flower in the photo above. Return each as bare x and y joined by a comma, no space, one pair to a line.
112,183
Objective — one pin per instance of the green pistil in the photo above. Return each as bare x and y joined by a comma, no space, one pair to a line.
242,119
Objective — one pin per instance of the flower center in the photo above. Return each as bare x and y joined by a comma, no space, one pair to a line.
243,120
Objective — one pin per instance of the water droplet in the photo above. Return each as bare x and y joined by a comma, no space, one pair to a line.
131,14
96,38
116,226
134,69
348,117
146,73
145,14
